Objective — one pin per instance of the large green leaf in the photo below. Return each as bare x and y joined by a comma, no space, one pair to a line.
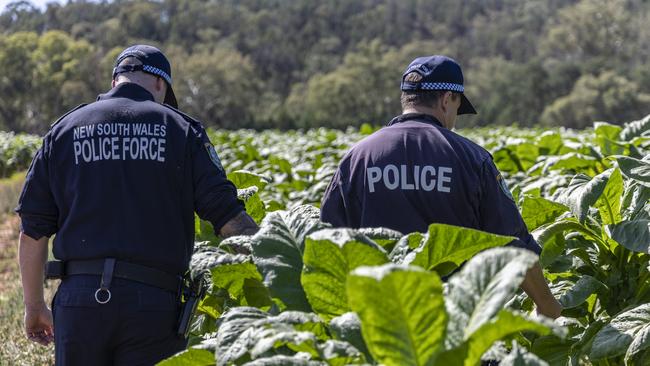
253,204
572,161
208,257
609,202
243,283
190,357
445,247
627,333
278,249
347,327
582,193
635,129
477,293
503,324
248,333
607,136
235,324
520,357
244,179
282,360
339,353
576,293
636,169
386,238
635,199
330,255
634,235
402,313
537,211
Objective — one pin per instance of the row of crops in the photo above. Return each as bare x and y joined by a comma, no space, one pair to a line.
16,152
309,294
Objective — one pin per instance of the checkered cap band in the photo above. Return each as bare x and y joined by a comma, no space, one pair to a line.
443,86
156,71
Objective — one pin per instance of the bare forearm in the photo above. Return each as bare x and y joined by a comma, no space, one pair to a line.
537,289
242,224
32,255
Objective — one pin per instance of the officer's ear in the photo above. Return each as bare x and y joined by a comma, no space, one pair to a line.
161,85
113,83
444,100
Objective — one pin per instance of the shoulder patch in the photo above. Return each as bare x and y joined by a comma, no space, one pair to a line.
67,113
214,157
504,187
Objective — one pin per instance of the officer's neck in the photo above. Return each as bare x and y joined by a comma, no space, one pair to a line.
434,112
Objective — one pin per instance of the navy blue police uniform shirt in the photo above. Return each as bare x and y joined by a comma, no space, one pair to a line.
415,172
122,178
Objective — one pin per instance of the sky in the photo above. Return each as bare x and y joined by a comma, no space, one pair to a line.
38,3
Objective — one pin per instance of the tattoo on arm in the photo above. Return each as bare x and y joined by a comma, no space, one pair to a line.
242,224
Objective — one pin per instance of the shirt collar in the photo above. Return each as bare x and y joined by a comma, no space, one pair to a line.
420,117
127,90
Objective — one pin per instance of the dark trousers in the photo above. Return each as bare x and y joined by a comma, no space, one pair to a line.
136,327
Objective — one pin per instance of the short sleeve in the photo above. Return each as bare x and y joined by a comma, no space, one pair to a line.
215,197
498,212
37,208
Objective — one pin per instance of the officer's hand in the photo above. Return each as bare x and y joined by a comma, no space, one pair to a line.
38,324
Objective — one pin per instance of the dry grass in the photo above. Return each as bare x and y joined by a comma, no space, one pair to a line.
15,349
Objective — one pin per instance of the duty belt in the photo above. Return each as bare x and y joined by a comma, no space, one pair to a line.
109,267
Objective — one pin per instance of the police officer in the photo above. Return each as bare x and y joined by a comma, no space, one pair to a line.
417,171
118,181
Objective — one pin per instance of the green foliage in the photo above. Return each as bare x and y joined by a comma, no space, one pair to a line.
293,300
329,256
293,64
402,313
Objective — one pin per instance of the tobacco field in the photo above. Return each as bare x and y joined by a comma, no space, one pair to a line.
309,294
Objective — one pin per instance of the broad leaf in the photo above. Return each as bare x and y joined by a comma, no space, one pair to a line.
636,169
634,235
243,283
519,356
385,237
402,313
573,162
500,326
281,360
244,179
537,211
607,136
609,203
330,255
477,293
209,257
236,323
339,353
273,338
635,129
190,357
576,294
253,204
347,327
632,326
582,193
445,247
278,249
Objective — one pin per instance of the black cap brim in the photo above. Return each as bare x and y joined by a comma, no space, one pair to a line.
465,106
170,97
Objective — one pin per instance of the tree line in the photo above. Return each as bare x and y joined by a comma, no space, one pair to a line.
303,63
